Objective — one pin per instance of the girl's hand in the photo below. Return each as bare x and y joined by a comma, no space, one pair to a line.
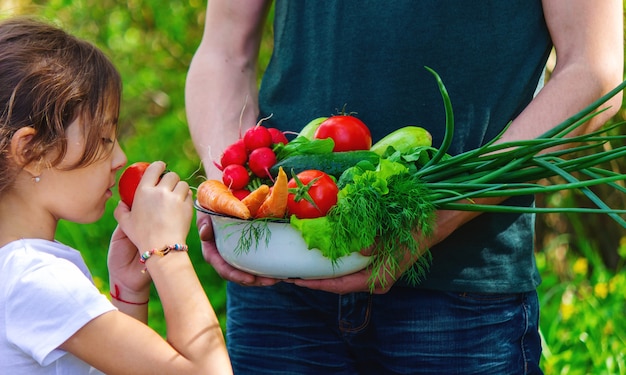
125,276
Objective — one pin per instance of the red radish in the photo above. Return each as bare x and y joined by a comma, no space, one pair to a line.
241,193
261,160
277,136
234,154
257,137
235,176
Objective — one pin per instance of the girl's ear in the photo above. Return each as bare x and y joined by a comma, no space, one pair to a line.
20,148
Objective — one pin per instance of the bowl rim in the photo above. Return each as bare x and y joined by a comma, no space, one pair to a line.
199,207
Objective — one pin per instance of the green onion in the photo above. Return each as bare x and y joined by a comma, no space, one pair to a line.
510,168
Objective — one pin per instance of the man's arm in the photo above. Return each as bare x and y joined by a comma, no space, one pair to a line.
221,86
589,46
221,100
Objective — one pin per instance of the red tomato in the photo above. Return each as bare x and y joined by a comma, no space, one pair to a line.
311,194
348,132
129,180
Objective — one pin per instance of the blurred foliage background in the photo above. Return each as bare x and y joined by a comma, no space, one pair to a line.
581,257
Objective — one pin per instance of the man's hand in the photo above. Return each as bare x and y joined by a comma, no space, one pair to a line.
361,281
354,282
446,223
213,257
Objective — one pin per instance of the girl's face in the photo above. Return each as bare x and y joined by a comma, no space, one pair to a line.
79,195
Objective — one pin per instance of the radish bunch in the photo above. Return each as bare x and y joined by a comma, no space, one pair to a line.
250,156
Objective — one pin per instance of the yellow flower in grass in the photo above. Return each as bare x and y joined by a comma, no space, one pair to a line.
567,305
618,284
601,290
580,266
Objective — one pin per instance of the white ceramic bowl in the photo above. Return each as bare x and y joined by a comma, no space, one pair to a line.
283,254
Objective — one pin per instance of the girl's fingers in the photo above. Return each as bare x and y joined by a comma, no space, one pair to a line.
182,189
152,174
169,179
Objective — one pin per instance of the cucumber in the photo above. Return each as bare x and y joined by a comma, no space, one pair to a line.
332,163
404,139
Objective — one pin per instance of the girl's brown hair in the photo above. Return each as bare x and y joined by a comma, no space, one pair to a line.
48,79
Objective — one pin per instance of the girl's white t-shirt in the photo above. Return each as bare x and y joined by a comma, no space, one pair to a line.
46,295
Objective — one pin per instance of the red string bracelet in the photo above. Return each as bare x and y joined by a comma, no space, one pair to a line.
116,297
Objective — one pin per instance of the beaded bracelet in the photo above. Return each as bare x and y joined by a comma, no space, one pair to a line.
161,252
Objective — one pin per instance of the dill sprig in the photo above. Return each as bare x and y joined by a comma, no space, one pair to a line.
403,210
251,235
385,221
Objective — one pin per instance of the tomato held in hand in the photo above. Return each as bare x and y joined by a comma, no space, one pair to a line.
311,194
129,180
348,132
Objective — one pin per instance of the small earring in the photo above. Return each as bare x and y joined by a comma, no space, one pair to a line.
36,179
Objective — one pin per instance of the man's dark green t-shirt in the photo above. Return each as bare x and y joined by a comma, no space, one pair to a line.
371,56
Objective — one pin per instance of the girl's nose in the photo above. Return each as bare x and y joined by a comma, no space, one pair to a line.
119,157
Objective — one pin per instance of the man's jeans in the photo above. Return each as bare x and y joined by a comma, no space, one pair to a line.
285,329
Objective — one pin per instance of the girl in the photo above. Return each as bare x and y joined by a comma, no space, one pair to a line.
59,104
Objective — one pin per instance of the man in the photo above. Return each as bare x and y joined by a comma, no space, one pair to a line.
477,310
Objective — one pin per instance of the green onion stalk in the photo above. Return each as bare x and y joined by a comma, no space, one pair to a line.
514,168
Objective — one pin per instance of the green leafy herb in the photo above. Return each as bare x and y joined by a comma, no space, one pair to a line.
251,234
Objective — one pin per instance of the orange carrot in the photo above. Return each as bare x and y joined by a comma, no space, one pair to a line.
254,200
215,196
275,205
